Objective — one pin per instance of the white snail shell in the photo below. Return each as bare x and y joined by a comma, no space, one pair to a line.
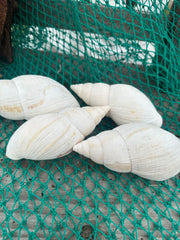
27,96
53,135
127,103
140,148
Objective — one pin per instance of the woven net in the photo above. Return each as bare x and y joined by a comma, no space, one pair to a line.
111,41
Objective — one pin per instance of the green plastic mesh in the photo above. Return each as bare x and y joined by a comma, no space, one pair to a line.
112,41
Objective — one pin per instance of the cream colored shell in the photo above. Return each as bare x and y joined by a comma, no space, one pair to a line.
127,103
140,148
53,135
27,96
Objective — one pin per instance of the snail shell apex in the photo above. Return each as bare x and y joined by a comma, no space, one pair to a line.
127,103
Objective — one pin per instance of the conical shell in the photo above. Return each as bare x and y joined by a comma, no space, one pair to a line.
53,135
127,103
140,148
27,96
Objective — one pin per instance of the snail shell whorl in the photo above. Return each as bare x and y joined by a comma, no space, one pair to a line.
154,152
128,104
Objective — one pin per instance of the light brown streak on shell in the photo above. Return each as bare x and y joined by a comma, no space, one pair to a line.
36,104
9,108
163,156
74,133
42,100
119,167
64,154
138,131
68,115
41,130
48,87
57,139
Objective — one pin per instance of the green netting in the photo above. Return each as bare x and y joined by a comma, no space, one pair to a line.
112,41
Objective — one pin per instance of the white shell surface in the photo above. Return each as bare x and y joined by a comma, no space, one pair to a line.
43,137
94,94
52,135
152,152
127,103
104,149
89,116
27,96
10,103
